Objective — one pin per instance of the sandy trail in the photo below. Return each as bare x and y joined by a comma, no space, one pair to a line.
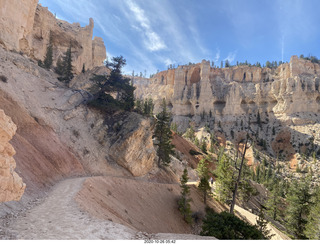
59,217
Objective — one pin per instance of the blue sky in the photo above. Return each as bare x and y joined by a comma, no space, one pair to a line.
151,34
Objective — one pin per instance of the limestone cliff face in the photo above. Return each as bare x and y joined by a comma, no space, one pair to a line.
132,145
267,103
11,185
26,27
16,23
229,92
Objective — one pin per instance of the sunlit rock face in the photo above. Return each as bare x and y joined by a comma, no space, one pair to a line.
11,185
27,27
227,93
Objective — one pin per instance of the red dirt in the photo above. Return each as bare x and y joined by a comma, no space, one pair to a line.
184,146
42,160
144,206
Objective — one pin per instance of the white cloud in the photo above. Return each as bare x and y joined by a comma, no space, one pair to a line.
152,40
231,56
168,61
217,57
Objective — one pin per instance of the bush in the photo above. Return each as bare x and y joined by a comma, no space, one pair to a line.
226,226
3,78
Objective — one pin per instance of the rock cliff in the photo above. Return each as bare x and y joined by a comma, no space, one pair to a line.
197,89
26,27
16,23
228,101
132,145
11,185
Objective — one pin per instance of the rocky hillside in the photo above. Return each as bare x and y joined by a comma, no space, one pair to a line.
26,26
58,137
85,174
278,106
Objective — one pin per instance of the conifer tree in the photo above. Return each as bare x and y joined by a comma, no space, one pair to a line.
240,178
262,225
258,119
224,179
115,82
299,203
138,105
313,226
203,173
68,75
66,67
184,202
163,135
148,107
47,63
274,201
83,68
226,226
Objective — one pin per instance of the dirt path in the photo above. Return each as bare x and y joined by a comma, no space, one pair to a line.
59,217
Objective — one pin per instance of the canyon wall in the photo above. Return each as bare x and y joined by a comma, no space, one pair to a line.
226,93
11,185
267,103
26,27
16,22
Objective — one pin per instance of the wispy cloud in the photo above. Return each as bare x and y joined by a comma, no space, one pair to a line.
231,56
217,57
152,40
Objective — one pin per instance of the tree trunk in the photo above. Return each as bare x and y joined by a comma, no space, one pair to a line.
233,202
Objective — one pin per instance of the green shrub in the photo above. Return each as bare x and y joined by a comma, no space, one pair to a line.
226,226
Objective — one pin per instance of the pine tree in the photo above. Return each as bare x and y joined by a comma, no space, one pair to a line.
313,226
299,203
203,173
148,107
224,179
68,75
163,135
240,178
138,106
258,119
66,67
262,225
83,68
274,201
226,226
115,82
47,63
257,174
245,188
184,202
